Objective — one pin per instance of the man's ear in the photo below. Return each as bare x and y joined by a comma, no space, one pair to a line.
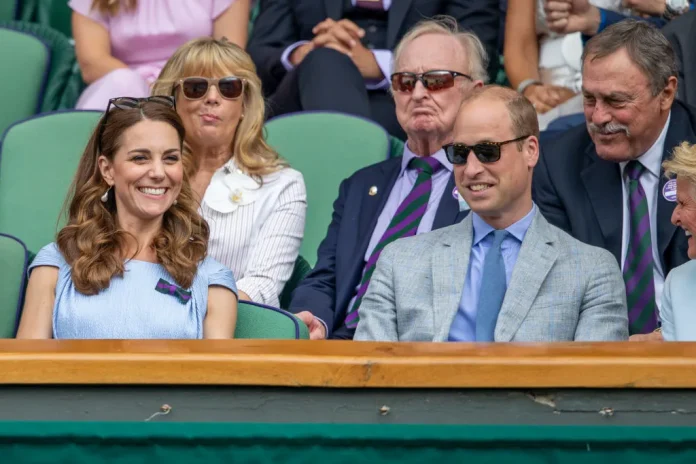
669,93
106,169
531,151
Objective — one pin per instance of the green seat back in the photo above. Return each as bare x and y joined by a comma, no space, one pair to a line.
326,148
24,68
396,146
38,160
9,10
52,13
299,272
62,61
259,321
13,267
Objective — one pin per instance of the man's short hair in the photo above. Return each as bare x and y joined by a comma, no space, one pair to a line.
448,26
523,116
646,46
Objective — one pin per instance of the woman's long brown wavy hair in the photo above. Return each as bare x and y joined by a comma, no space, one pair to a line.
209,57
113,7
92,242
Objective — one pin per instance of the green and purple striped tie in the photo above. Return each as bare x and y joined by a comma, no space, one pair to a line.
638,267
404,223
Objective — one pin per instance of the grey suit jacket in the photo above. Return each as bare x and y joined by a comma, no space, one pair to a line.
560,290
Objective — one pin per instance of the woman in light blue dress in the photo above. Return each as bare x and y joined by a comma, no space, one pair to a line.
131,262
678,306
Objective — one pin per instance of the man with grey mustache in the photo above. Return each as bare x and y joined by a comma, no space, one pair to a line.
604,183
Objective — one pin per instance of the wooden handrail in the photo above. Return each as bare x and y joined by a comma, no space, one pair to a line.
349,364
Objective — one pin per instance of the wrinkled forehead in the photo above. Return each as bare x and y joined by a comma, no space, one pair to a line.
430,52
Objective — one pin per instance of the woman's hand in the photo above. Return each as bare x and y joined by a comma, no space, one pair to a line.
546,97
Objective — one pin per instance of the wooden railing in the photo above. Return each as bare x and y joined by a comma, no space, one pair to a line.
349,364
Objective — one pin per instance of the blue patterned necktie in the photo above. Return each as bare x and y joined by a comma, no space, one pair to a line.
493,287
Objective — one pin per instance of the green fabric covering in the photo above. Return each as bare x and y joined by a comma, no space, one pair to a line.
299,272
73,89
62,55
8,10
23,73
145,442
255,321
38,160
326,148
52,13
13,258
396,146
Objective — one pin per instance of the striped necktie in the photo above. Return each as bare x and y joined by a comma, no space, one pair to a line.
638,267
377,5
404,223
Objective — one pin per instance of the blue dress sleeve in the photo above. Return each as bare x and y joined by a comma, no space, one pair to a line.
49,255
218,274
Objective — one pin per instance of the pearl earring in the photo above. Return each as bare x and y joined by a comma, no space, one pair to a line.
176,202
105,197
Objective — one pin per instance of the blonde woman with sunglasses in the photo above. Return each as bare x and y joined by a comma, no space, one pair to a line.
131,262
253,202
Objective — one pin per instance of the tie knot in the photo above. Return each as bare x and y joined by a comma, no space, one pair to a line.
634,170
426,164
498,237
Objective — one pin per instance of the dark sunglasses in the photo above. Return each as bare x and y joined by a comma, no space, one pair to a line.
432,80
486,152
195,88
128,103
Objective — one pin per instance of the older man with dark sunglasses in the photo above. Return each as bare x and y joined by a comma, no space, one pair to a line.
504,273
437,67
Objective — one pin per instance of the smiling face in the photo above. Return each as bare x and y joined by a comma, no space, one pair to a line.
428,114
684,214
146,172
499,192
211,121
623,117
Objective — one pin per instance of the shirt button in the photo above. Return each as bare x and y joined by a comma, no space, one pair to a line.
372,29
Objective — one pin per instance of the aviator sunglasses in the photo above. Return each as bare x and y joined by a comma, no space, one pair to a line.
127,103
195,88
486,152
431,80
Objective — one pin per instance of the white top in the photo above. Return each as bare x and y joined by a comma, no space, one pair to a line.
256,229
650,180
678,313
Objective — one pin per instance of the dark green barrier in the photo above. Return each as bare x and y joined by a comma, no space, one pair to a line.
131,443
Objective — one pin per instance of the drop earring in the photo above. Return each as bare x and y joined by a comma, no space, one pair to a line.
105,197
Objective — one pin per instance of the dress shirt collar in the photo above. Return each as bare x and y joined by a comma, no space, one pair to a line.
517,230
438,155
652,159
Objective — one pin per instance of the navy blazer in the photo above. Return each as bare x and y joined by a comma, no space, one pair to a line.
581,193
328,289
281,23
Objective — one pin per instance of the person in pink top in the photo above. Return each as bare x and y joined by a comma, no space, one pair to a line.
122,45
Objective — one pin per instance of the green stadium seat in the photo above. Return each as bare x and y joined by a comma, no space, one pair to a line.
13,269
55,14
299,272
396,146
25,62
260,321
62,60
326,148
38,160
9,10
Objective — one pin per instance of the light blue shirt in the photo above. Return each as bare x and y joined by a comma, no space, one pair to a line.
464,325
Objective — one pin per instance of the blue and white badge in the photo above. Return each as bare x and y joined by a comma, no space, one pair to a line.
669,191
463,205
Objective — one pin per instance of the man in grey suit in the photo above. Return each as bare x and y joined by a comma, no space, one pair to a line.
504,273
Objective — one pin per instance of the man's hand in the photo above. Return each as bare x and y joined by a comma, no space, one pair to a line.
344,36
300,53
568,16
317,331
646,7
545,97
651,337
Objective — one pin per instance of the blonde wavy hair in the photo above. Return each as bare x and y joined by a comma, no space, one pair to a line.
92,243
683,164
209,57
113,7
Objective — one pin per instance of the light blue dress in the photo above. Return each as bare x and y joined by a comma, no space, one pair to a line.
131,307
678,308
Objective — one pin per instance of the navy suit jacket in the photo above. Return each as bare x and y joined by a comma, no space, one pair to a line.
281,23
328,289
581,193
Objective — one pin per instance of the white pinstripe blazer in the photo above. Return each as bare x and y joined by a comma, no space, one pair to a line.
260,240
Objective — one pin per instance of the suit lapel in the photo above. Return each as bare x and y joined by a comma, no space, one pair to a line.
334,9
602,181
397,14
535,260
448,211
450,263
